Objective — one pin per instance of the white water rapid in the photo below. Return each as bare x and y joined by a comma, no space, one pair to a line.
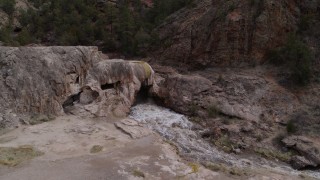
180,131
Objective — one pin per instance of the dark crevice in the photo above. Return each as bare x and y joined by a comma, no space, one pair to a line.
71,100
142,96
107,86
17,29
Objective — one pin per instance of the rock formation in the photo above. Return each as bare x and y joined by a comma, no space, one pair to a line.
113,85
233,33
307,148
245,95
48,80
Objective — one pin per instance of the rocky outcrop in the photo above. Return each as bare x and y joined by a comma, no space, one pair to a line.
309,149
239,93
111,87
49,80
179,92
39,79
220,33
300,162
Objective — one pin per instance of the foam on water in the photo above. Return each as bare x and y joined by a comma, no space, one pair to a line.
178,129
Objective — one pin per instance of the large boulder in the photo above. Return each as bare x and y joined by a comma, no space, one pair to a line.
246,95
180,92
300,162
306,147
39,79
111,87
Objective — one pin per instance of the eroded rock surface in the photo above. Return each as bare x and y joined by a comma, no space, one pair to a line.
51,80
111,86
233,33
39,79
245,95
132,128
308,148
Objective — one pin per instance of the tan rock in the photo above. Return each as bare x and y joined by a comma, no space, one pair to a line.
132,128
48,80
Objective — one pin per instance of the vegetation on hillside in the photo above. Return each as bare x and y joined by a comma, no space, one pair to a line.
297,56
7,6
125,27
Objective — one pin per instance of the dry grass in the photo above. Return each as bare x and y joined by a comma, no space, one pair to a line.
224,143
11,156
138,173
225,169
194,166
96,149
40,118
272,154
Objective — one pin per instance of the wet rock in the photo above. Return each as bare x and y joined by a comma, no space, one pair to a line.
300,162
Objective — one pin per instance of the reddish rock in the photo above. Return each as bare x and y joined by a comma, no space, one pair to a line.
221,33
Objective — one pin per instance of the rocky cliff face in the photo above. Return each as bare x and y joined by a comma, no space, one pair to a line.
228,33
49,80
38,79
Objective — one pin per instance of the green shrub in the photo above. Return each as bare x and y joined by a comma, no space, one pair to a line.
24,37
297,56
193,109
305,22
291,127
8,6
213,111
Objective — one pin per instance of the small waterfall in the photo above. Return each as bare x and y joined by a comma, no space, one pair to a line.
179,130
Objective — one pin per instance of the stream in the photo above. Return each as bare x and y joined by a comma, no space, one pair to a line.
177,129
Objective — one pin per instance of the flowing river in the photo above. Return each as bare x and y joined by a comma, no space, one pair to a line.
177,129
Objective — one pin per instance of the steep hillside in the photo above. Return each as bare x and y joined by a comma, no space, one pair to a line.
233,33
122,26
